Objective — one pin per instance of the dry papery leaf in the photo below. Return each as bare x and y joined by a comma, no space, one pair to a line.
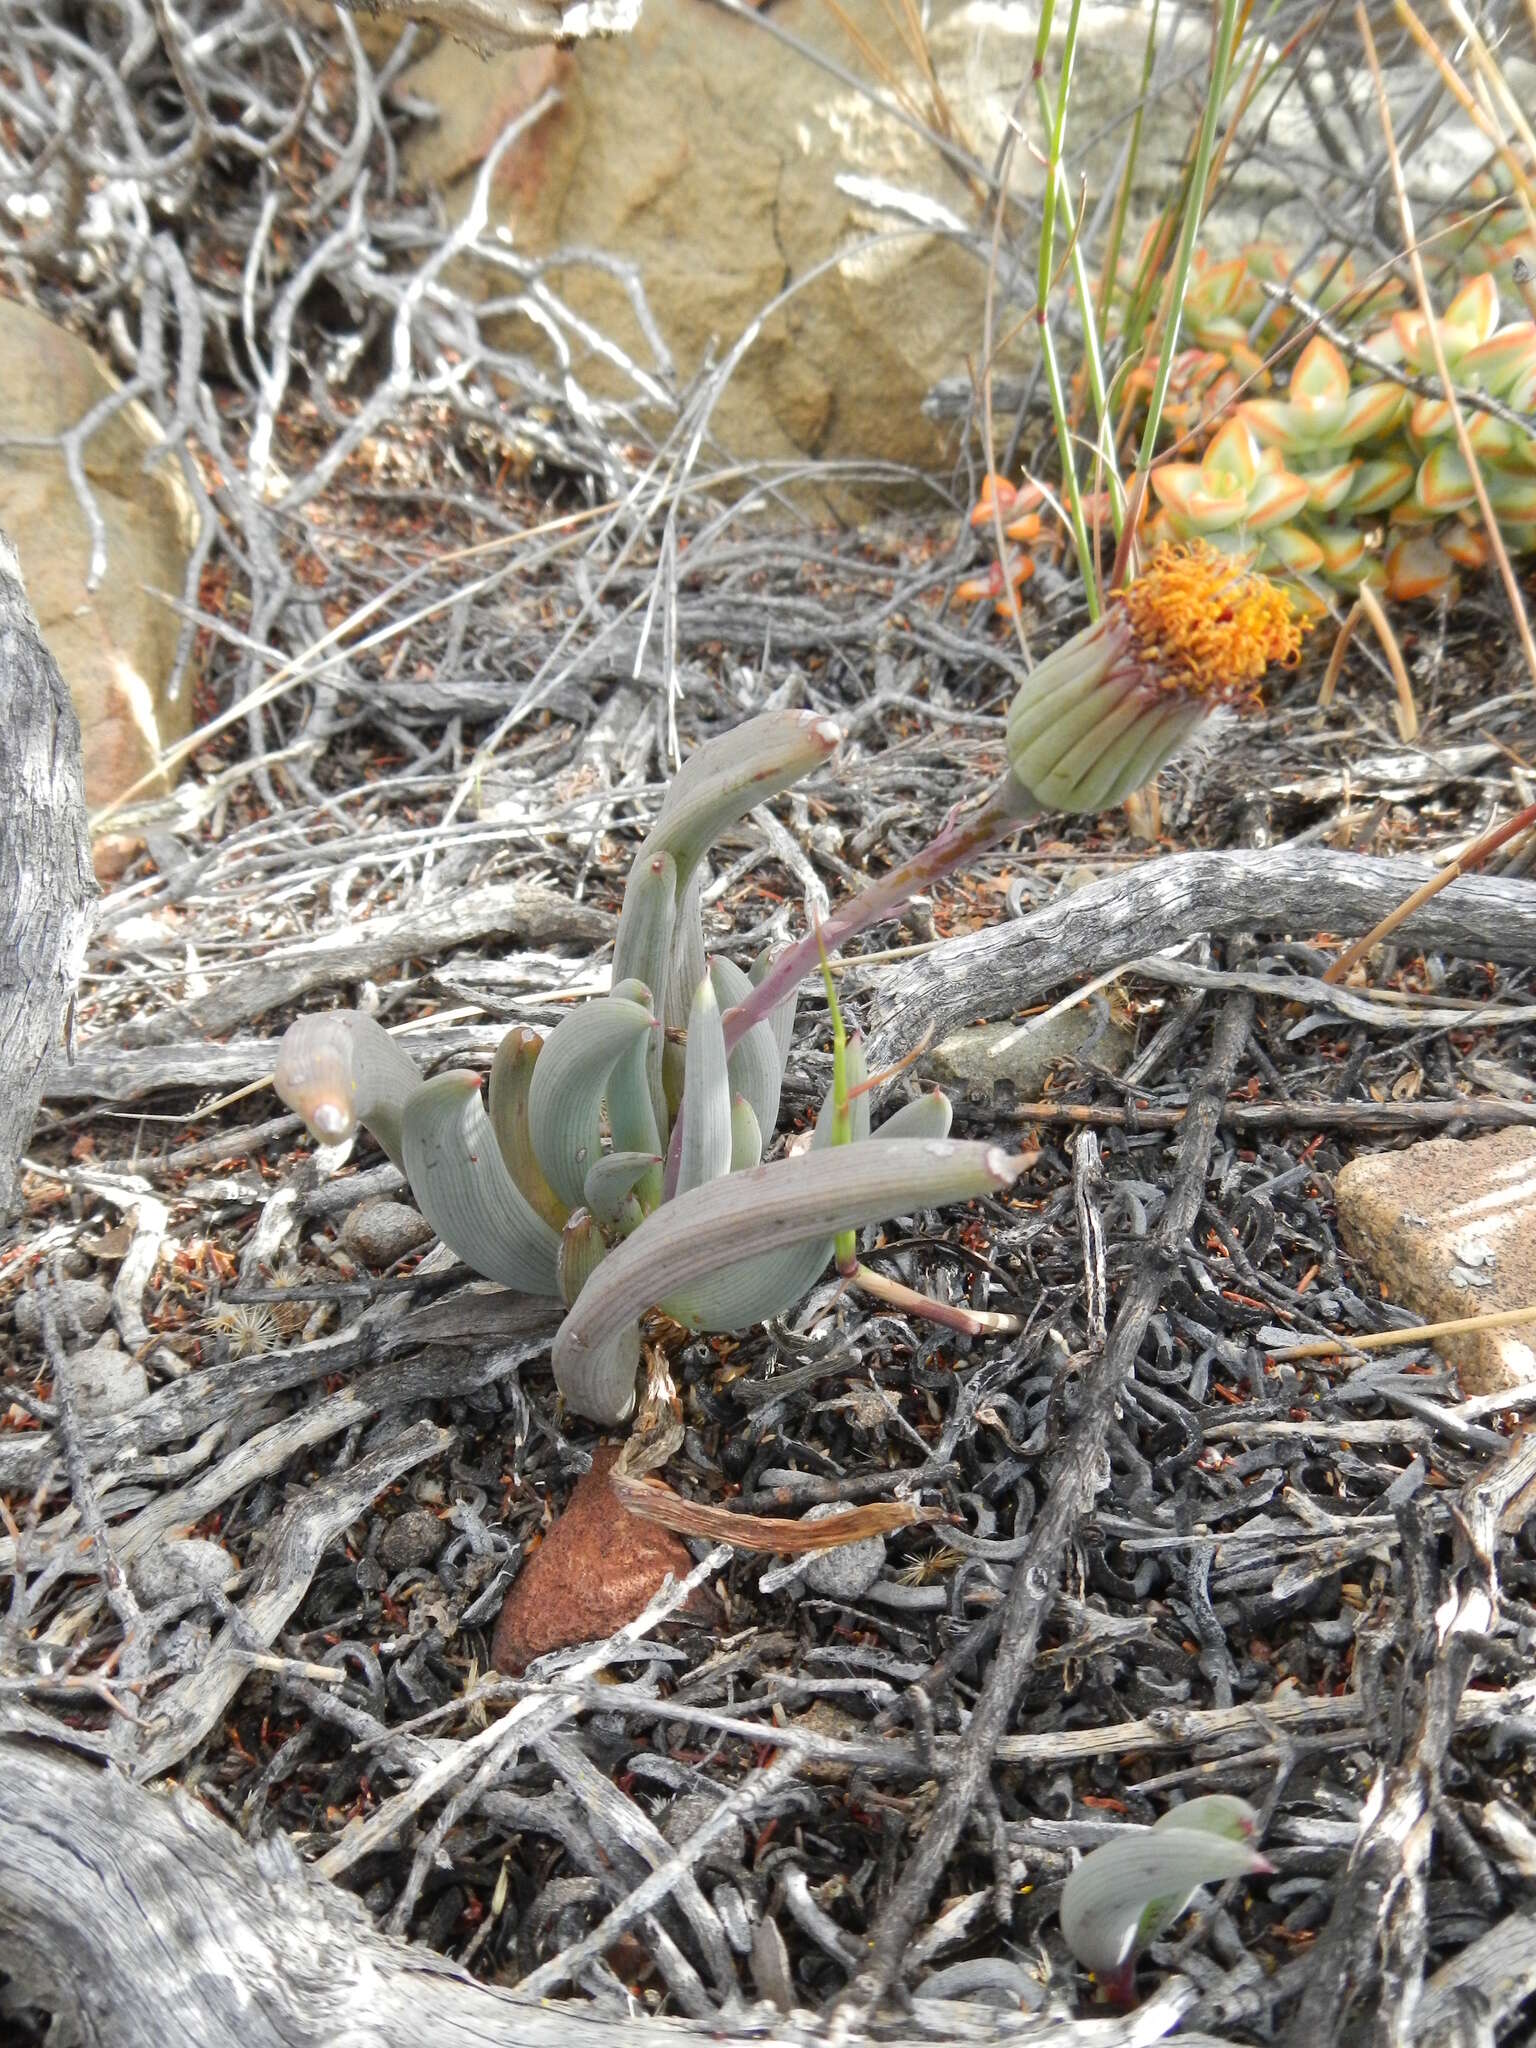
653,1501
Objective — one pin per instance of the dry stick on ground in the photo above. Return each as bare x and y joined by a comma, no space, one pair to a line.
1378,1918
1475,1112
47,889
1073,1485
1129,916
97,1870
524,911
1488,843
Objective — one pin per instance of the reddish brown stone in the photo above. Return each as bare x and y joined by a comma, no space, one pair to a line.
595,1570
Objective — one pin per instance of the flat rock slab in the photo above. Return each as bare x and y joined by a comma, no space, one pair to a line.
1449,1228
1020,1056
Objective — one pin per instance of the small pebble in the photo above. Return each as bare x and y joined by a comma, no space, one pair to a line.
106,1381
685,1816
378,1233
848,1572
411,1540
87,1302
184,1570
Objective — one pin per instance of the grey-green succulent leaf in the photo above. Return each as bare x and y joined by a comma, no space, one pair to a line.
643,949
751,1290
1126,1892
611,1180
631,1107
781,1019
511,1079
756,1065
746,1136
600,1384
569,1084
581,1253
456,1172
928,1115
688,963
706,1146
786,1203
728,776
341,1069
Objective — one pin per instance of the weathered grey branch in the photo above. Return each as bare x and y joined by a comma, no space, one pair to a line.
139,1918
1300,890
47,888
514,910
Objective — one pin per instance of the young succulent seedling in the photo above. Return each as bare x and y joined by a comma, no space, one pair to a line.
1127,1892
615,1178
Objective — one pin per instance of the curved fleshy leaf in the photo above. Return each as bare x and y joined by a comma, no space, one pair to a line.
611,1180
728,776
342,1069
787,1202
462,1186
581,1253
746,1136
756,1069
600,1383
632,1122
928,1115
1144,1879
569,1083
706,1146
781,1020
511,1079
642,950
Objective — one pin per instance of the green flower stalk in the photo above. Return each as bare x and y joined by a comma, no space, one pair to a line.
1092,723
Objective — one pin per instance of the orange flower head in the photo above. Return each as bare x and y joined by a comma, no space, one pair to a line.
1206,627
1099,717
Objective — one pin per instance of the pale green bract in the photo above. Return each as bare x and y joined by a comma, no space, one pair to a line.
564,1185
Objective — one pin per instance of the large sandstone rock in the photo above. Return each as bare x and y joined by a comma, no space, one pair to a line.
115,647
728,167
1449,1228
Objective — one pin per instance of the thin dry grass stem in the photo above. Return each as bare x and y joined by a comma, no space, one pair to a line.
1054,123
988,316
968,1322
1486,844
1432,333
1393,1340
1335,668
1496,87
1407,711
1456,86
305,666
1222,54
916,38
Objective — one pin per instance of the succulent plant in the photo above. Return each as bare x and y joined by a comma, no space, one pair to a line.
1127,1892
605,1172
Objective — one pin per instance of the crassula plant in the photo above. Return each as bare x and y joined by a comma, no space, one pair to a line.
619,1164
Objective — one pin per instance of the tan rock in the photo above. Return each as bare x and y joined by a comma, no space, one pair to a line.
726,166
116,647
1449,1228
598,1568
